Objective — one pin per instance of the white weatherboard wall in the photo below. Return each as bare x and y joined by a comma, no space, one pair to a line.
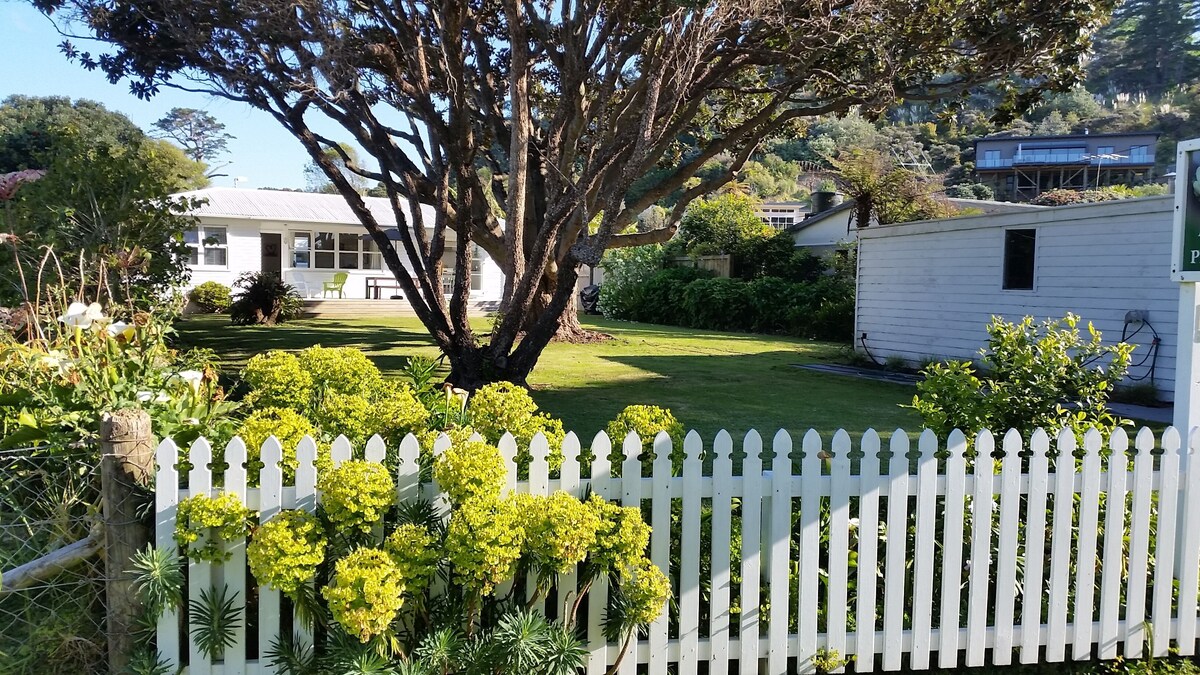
929,289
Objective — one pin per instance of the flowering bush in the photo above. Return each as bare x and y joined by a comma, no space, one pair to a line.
344,370
646,421
204,524
621,534
559,530
286,551
470,470
356,494
644,589
366,593
414,549
399,412
287,426
502,406
276,380
349,415
483,543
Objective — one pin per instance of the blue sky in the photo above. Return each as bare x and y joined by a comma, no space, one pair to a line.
32,65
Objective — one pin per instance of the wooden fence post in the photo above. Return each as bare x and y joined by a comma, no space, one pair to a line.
127,462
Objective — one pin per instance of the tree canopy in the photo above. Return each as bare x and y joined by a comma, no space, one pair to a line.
201,136
566,104
105,195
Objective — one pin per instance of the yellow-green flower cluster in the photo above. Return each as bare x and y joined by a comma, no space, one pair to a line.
356,495
621,537
203,524
286,550
483,543
366,592
559,529
414,550
344,370
398,412
647,421
645,589
284,424
349,415
470,470
502,406
277,381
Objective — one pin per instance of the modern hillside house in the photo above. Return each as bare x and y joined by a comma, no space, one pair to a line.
1019,168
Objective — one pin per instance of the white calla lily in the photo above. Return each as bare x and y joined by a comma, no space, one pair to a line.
119,329
194,378
81,316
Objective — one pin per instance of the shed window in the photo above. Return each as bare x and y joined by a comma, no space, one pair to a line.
1019,248
209,246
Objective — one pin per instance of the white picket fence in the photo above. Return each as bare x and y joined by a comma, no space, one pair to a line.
885,560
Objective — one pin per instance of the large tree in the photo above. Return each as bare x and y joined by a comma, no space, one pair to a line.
1151,47
552,110
200,135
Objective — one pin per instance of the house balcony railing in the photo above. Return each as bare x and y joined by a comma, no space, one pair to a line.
1043,158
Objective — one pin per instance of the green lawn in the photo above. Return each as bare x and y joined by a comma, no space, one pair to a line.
710,380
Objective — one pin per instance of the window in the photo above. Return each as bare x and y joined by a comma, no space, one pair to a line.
335,250
209,244
477,270
302,250
1138,153
325,249
1019,247
991,155
1104,150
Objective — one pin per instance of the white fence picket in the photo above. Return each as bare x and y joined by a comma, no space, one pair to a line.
981,548
598,651
865,619
1035,546
1085,566
1139,545
270,499
1114,539
1006,563
895,594
200,574
752,492
921,607
722,511
1060,546
1164,553
1061,551
234,570
166,501
810,541
839,540
1189,556
539,485
778,549
689,554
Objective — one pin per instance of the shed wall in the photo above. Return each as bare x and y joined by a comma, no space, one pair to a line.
929,289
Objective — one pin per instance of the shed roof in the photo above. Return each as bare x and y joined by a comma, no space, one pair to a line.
309,207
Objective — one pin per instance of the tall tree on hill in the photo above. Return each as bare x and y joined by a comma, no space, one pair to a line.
1149,48
568,103
200,135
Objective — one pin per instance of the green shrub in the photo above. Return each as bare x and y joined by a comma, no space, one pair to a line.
662,296
626,270
718,304
263,299
1031,376
344,370
210,297
399,412
277,380
349,415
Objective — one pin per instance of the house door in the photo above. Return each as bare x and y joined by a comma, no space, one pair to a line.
272,254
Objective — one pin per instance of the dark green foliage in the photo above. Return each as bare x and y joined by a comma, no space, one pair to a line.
214,618
211,297
264,299
1150,47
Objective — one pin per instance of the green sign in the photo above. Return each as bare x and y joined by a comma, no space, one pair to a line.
1189,185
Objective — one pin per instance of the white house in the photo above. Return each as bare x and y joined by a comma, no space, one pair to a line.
307,238
928,289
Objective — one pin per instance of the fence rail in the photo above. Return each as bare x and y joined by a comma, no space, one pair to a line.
888,552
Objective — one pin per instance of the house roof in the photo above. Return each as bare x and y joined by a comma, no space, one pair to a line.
309,207
1065,137
985,205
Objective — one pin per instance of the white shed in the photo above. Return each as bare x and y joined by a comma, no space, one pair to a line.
306,238
928,289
